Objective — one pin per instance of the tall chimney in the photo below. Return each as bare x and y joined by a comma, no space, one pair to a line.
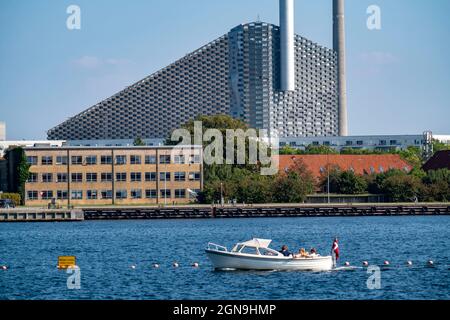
339,47
287,45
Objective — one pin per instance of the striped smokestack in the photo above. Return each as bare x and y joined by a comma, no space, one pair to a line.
339,47
287,45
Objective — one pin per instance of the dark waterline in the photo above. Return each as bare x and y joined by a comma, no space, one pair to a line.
106,250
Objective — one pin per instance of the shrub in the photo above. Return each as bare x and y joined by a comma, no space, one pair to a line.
15,197
401,188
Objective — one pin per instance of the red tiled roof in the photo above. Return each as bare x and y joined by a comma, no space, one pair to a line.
360,164
441,160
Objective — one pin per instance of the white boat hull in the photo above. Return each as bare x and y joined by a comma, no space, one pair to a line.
228,260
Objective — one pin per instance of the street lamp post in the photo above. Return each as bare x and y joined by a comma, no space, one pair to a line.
221,194
328,176
165,182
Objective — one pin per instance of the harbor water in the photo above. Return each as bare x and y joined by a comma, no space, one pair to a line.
116,259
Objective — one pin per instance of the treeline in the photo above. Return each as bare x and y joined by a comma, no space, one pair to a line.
397,185
294,185
245,184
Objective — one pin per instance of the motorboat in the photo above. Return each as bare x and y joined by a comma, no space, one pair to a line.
255,254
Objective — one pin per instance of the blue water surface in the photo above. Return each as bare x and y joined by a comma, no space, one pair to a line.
106,250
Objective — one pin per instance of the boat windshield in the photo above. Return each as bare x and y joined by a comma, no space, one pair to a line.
249,250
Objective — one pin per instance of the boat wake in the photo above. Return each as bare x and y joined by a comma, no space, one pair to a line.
346,268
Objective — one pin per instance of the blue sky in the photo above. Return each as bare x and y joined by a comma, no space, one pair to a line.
398,77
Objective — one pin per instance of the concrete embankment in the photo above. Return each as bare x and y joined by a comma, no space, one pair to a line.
40,215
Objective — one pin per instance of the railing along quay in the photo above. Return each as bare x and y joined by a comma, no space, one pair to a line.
249,211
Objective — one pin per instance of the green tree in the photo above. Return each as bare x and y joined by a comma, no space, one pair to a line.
375,181
20,170
439,146
255,189
294,185
351,183
436,186
139,142
312,149
401,188
412,155
332,179
343,182
288,150
228,177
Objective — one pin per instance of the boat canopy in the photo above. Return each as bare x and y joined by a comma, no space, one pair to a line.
257,243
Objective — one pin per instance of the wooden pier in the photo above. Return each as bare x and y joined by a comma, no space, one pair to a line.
264,211
40,215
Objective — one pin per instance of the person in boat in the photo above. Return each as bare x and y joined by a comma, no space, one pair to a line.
313,252
285,251
302,254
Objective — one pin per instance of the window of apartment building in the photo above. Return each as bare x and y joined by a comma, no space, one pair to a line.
194,176
32,160
61,177
180,193
150,176
164,159
359,142
76,195
165,193
121,160
91,160
383,142
61,195
164,176
135,159
47,177
121,176
150,159
121,194
393,142
106,177
91,177
47,160
180,159
195,159
61,160
106,194
77,160
32,177
77,177
32,195
46,195
180,176
151,194
91,195
135,177
136,194
106,159
348,143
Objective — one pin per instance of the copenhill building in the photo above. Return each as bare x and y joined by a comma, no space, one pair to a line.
261,73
